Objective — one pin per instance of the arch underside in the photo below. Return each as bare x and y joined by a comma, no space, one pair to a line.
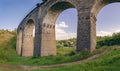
100,4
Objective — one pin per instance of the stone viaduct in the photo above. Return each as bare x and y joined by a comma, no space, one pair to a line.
43,19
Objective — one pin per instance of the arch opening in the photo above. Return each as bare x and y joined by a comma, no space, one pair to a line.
66,31
48,27
108,23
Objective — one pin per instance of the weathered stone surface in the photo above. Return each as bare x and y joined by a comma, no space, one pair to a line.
43,18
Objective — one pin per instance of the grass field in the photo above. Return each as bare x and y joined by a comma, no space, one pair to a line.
8,55
107,62
13,59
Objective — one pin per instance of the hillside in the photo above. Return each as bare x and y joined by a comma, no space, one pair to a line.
110,61
5,36
7,44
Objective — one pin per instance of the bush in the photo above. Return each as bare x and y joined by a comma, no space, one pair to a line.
71,53
109,40
3,55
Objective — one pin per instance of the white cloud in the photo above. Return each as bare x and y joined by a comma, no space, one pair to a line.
62,34
62,25
104,33
117,31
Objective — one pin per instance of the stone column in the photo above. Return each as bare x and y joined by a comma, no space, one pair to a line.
48,46
19,42
93,31
37,42
86,33
28,40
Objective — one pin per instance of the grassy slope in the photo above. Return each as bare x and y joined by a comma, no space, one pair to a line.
6,44
107,62
64,51
5,36
9,56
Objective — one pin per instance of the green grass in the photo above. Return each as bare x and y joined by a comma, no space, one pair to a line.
8,55
68,55
106,62
7,44
65,50
14,59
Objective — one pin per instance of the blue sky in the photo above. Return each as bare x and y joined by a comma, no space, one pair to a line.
13,11
108,19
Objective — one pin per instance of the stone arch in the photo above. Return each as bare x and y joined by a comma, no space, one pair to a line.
99,4
48,32
46,14
28,39
95,8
